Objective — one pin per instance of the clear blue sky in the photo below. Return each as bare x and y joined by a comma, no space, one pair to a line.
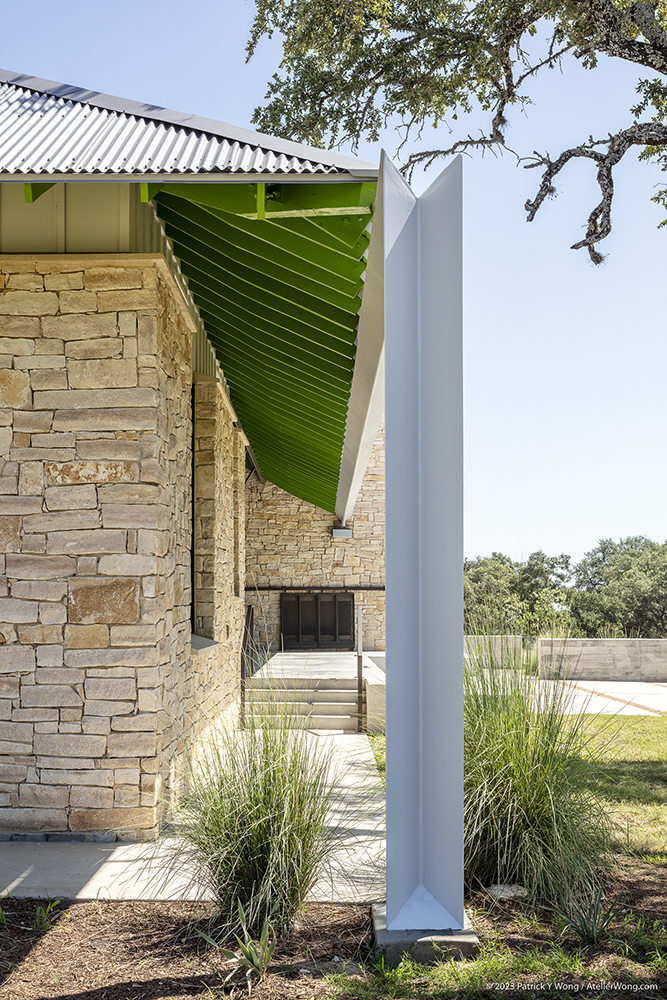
565,364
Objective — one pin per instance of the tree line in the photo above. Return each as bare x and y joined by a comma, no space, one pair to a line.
618,589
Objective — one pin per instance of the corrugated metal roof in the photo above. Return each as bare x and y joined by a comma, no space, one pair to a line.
48,128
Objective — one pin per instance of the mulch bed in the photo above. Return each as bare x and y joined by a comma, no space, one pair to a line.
140,951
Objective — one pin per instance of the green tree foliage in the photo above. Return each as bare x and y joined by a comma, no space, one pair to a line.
526,598
621,587
618,589
351,67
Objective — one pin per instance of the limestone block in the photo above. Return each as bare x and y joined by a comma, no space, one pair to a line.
95,601
91,797
127,795
15,389
129,451
14,772
108,708
84,399
86,542
93,724
131,515
58,675
34,820
49,346
12,610
147,334
33,422
135,493
17,732
109,419
86,565
79,327
28,304
67,745
49,695
102,279
102,347
6,711
77,519
20,326
50,656
10,747
87,636
61,282
77,302
71,715
40,634
102,779
9,688
137,657
42,379
44,796
29,567
18,454
39,590
35,715
133,635
128,565
16,345
107,819
143,723
127,776
28,282
149,676
31,361
10,528
115,301
52,614
136,744
148,700
70,498
6,437
53,440
65,473
65,763
115,689
20,505
105,373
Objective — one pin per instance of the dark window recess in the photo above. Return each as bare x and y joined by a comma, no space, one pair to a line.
317,621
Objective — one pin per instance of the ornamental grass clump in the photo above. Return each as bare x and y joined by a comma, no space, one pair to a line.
528,817
251,826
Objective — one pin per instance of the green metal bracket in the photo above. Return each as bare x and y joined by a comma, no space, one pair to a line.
261,201
31,192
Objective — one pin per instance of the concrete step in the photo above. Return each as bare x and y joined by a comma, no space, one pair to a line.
263,696
313,708
304,683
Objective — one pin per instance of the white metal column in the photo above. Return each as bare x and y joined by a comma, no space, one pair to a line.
422,239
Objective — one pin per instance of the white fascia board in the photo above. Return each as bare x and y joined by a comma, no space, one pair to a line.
236,178
366,405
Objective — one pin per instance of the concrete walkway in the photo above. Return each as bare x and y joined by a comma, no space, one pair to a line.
133,871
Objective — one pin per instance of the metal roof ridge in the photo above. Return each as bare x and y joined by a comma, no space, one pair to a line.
194,123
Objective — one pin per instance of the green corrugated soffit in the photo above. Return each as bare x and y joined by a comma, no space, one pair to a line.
276,273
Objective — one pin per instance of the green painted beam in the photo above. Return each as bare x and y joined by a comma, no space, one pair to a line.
273,201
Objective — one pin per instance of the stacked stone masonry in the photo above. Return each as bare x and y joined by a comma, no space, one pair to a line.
98,685
289,544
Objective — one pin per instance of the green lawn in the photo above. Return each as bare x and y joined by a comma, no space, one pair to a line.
529,948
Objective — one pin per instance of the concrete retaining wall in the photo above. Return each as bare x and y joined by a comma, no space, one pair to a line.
605,659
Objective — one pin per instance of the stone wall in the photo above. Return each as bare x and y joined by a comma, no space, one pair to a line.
289,544
98,687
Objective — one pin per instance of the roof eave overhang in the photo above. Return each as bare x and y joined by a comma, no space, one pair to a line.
368,175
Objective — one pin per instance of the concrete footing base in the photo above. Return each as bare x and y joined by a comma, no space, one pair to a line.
424,946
